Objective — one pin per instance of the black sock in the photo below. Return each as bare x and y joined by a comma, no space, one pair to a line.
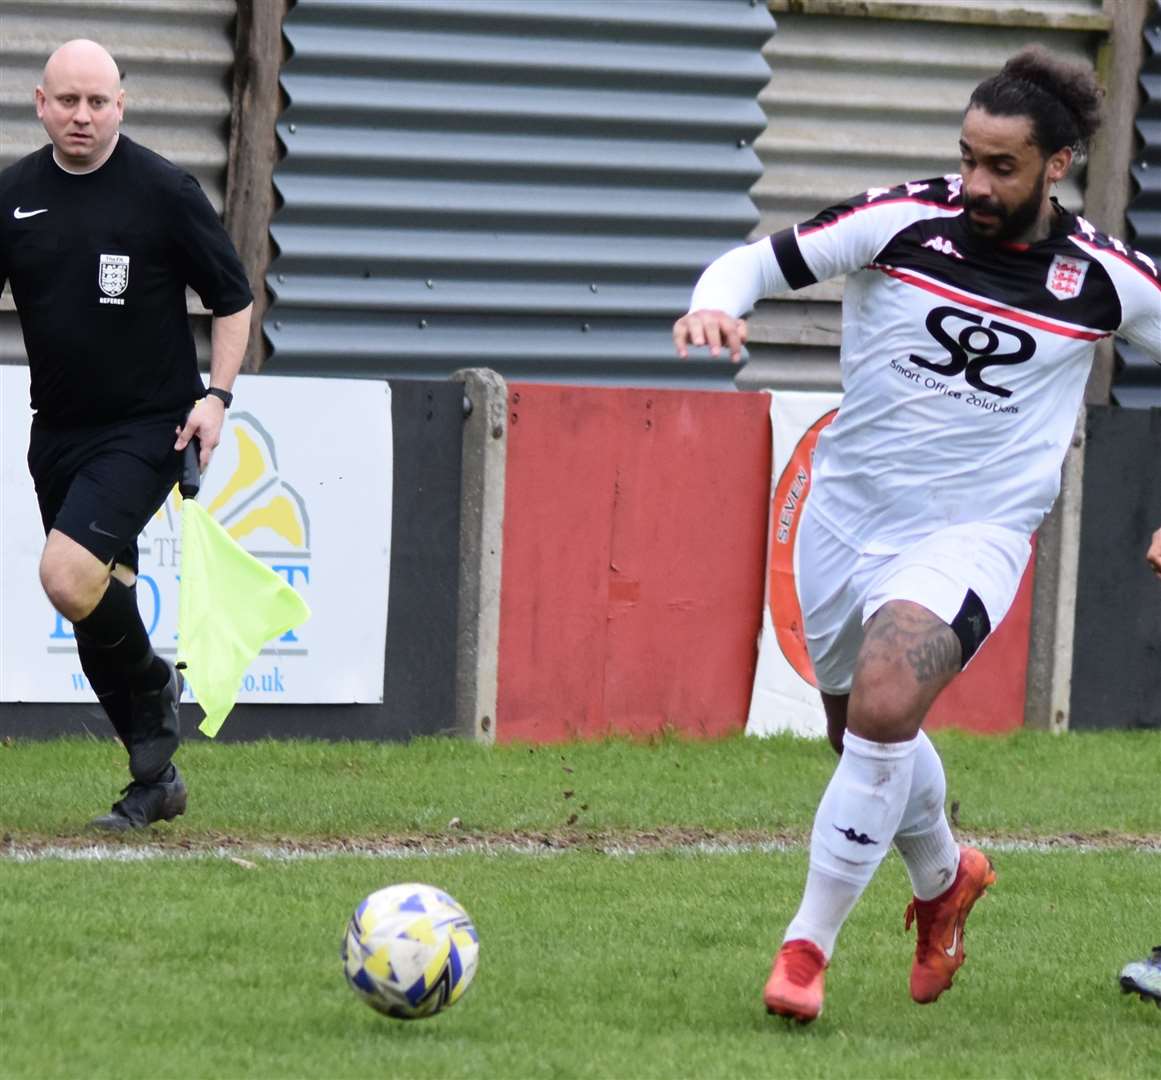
109,684
114,627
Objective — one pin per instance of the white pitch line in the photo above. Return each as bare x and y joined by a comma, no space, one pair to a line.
117,853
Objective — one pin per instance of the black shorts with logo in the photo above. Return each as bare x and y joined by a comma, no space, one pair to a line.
101,485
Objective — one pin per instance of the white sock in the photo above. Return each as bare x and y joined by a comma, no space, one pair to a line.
924,838
858,816
826,903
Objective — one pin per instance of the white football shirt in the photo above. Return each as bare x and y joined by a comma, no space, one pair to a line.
964,362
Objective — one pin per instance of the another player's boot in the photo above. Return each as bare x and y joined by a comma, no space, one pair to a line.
143,804
796,983
939,945
1144,977
155,734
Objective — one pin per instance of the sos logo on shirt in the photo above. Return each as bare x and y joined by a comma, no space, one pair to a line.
973,344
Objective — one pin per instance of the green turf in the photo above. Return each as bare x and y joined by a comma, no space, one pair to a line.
591,966
1034,783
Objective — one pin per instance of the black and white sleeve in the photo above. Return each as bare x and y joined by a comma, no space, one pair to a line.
840,240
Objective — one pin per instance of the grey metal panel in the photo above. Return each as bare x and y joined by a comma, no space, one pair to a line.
529,185
1144,210
855,103
175,57
1138,381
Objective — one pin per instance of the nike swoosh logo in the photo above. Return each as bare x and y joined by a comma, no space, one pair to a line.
950,951
94,527
21,214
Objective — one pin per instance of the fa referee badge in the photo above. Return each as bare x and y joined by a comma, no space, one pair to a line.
113,277
230,604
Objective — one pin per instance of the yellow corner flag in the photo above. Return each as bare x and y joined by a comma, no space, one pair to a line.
230,604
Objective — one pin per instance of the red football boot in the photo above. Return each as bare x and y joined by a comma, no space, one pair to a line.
939,947
795,986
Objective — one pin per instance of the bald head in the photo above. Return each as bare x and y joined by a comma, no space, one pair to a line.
82,59
80,103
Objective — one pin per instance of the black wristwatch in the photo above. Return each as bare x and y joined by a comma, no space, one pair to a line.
224,396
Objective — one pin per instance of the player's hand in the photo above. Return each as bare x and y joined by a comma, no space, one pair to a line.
712,328
1153,555
205,421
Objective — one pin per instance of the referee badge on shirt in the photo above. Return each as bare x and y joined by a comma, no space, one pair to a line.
1066,277
113,277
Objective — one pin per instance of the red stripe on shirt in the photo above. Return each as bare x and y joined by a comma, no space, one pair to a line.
992,309
871,206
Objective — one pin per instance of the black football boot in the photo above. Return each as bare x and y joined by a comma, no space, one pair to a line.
142,804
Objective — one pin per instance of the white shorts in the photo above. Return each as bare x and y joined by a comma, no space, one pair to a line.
966,575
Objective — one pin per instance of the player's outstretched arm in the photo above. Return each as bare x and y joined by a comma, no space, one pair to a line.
712,328
1153,556
726,290
839,240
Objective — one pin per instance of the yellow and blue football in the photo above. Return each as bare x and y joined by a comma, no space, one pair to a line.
410,951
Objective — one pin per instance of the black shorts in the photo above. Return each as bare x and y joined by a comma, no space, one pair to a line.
101,485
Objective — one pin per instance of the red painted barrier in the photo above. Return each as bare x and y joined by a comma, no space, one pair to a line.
634,570
634,543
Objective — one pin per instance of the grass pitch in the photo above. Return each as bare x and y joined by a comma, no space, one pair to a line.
1028,784
209,948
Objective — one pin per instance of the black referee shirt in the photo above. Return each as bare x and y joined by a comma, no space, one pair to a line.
99,264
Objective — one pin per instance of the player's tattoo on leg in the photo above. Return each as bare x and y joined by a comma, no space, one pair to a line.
928,644
934,656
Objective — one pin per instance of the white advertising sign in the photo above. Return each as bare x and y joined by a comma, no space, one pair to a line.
785,696
301,479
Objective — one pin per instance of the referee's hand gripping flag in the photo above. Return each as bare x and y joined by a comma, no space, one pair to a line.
230,605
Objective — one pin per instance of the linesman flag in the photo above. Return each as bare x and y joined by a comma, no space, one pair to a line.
230,604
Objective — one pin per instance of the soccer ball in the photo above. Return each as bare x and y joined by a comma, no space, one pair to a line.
410,951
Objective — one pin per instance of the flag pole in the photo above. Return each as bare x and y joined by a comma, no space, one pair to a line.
189,484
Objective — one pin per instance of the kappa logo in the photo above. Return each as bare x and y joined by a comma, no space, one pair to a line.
1066,277
113,276
1147,261
1090,234
912,187
943,246
860,838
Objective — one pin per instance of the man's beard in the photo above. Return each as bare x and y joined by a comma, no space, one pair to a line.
1010,223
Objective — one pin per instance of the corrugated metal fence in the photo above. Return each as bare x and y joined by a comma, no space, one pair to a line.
1138,383
175,56
532,187
535,186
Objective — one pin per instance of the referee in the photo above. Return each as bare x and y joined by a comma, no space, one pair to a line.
99,238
